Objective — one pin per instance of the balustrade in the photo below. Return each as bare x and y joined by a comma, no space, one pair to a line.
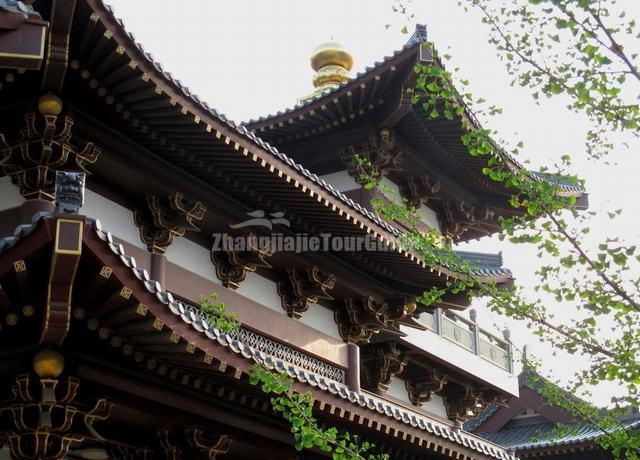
467,334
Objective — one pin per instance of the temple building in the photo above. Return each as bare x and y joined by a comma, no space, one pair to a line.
535,427
120,189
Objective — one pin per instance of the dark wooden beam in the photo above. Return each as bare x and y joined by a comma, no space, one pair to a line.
449,189
226,208
57,57
67,249
133,383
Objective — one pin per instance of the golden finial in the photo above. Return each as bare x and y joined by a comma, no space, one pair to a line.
50,105
332,64
48,364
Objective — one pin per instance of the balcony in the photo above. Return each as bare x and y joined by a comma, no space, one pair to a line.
460,342
467,334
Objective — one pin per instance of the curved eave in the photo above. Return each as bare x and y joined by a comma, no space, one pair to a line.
339,394
339,106
219,129
231,140
536,439
408,53
565,188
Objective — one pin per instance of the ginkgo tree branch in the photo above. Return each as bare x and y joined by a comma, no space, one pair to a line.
617,288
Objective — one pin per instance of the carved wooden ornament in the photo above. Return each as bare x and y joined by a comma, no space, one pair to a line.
45,145
421,190
374,159
47,423
460,217
193,443
165,218
362,317
213,446
422,390
301,288
380,363
232,266
465,403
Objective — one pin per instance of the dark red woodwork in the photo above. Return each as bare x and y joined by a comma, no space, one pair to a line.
67,249
62,285
22,41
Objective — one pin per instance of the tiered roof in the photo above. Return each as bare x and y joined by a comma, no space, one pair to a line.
553,431
379,96
551,436
111,77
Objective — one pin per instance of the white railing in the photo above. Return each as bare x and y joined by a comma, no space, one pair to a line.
467,334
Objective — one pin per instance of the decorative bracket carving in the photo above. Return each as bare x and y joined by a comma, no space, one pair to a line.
175,445
460,217
170,448
421,391
232,266
127,453
166,218
380,363
455,217
375,158
211,446
363,317
466,403
420,190
40,421
45,146
301,288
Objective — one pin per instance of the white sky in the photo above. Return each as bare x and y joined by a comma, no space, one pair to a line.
249,58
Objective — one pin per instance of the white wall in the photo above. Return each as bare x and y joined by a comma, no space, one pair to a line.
341,180
261,290
193,257
436,406
392,191
428,216
9,194
321,318
119,220
398,390
113,217
264,291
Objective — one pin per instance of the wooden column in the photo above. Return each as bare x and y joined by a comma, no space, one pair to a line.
353,373
158,268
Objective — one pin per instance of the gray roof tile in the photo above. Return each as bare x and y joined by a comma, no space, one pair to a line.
542,435
192,315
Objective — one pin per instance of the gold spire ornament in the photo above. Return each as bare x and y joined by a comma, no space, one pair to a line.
332,64
48,364
50,105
